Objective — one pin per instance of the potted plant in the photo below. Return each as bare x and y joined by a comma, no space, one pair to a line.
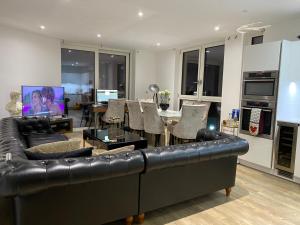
164,99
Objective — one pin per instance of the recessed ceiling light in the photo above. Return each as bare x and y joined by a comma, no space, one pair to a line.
42,27
69,50
76,63
157,44
141,14
99,35
217,28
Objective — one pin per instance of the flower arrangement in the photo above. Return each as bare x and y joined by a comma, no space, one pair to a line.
164,96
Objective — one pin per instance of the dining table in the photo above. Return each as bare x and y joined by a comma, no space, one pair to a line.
166,115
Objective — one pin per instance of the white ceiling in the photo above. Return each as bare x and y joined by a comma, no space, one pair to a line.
171,22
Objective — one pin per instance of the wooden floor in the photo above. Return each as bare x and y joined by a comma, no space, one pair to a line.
257,198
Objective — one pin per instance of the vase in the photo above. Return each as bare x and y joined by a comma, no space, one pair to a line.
164,106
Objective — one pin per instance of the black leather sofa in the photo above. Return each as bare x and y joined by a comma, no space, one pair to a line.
97,190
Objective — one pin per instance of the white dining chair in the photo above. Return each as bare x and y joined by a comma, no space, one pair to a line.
136,119
153,123
115,112
194,118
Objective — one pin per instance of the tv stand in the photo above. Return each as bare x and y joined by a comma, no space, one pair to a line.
61,125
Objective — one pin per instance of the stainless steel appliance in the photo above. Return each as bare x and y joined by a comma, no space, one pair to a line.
285,151
267,117
260,85
259,90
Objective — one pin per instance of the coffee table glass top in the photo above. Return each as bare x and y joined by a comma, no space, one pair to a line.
113,135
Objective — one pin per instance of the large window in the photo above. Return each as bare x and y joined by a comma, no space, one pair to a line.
213,71
112,73
202,78
78,76
190,66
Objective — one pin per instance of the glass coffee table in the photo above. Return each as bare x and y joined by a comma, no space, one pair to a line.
112,138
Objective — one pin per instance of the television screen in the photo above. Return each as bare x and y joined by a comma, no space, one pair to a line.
105,95
42,101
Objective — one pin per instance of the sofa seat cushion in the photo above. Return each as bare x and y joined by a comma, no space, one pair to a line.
83,152
35,139
59,146
97,152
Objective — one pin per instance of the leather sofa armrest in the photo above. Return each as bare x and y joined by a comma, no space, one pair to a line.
24,177
178,155
209,135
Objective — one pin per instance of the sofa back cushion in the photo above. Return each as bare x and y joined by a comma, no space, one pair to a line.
34,125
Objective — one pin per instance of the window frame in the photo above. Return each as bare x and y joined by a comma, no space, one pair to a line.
111,52
97,51
201,63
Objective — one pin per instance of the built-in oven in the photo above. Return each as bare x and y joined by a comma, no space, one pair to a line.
268,113
260,85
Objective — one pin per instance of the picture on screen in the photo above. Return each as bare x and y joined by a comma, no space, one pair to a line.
42,101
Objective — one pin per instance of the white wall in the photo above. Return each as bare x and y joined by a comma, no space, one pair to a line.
232,74
285,30
165,67
26,59
145,73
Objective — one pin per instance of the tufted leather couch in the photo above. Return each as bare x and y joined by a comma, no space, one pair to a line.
178,173
97,190
79,191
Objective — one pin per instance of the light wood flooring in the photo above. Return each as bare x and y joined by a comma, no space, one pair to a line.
257,199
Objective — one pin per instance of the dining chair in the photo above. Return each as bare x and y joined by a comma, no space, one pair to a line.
136,119
153,124
115,112
87,115
194,118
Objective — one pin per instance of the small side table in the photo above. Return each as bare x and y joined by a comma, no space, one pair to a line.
230,125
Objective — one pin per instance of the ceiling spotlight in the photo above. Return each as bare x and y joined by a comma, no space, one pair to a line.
76,63
207,51
72,64
42,27
98,35
141,14
157,44
217,28
69,50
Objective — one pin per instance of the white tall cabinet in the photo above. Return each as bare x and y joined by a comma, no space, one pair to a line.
262,57
288,107
283,56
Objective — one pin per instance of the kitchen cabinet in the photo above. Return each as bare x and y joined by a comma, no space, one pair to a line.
262,57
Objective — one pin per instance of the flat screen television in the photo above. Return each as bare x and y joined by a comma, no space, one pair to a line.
104,95
42,101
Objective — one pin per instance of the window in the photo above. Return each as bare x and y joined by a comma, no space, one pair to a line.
257,40
78,76
213,71
190,66
112,73
202,78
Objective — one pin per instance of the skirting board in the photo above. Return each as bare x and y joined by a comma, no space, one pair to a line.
267,170
257,167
